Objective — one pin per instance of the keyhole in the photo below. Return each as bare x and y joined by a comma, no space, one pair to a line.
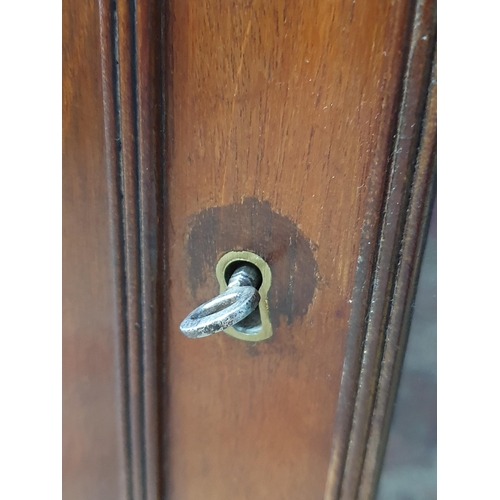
257,325
252,324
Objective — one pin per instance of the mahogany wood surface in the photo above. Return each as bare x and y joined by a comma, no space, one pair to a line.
190,129
93,435
279,108
398,324
384,290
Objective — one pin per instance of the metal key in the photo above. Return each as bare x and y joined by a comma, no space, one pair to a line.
228,308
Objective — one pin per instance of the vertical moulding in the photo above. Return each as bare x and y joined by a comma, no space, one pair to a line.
257,326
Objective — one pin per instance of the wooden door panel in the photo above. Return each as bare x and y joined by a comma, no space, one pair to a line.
302,131
277,110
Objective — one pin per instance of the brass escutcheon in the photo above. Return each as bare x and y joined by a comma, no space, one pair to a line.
248,329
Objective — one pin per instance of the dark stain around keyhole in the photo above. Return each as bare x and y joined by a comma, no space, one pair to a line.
253,226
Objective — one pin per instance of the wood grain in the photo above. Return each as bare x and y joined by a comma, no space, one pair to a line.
112,155
398,324
289,105
195,128
131,46
385,283
94,443
137,125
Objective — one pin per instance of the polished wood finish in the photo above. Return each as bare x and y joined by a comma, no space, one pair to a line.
196,128
93,435
275,108
405,283
133,64
385,290
111,154
130,52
